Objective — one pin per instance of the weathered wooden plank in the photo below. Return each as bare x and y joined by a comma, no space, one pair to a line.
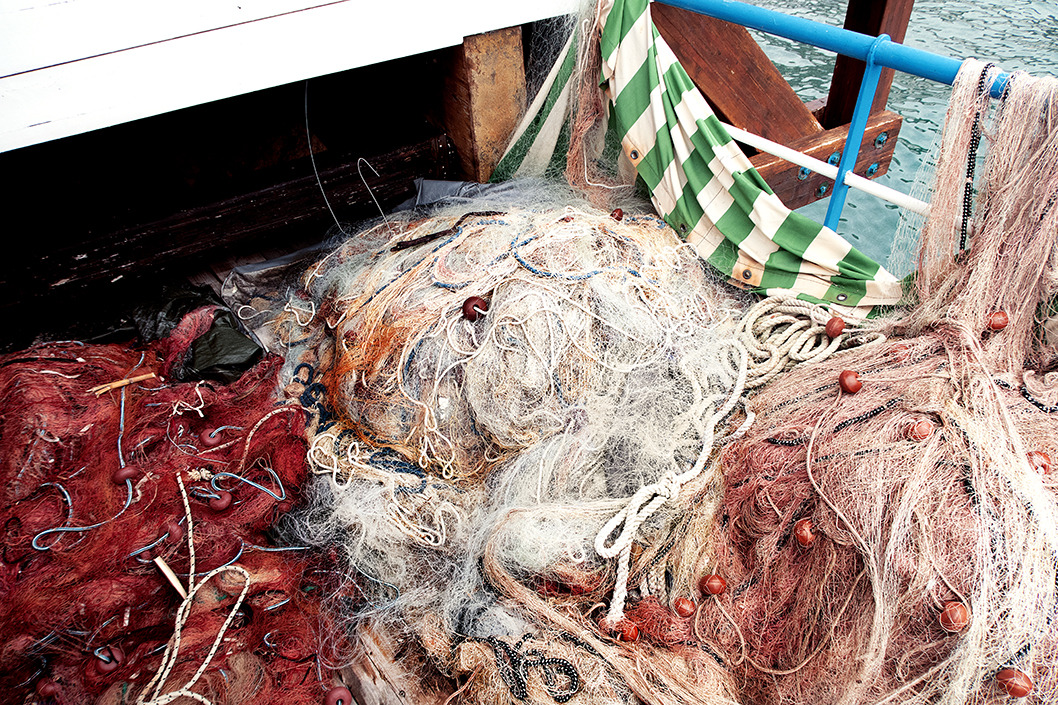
785,178
195,232
873,17
77,284
485,98
735,75
375,678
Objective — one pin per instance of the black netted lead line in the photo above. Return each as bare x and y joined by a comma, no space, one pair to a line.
514,667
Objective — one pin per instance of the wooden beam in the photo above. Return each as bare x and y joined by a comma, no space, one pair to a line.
197,232
375,678
873,17
786,178
485,98
733,73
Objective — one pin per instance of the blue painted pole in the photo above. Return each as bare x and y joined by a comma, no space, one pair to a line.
876,52
857,127
942,69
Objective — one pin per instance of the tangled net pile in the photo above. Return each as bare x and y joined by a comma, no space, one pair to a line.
548,449
506,362
535,455
503,401
899,544
104,482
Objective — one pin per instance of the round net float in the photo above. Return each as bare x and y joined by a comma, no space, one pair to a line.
47,688
850,381
998,320
919,429
109,659
221,502
474,307
834,327
1039,461
339,695
712,584
901,352
171,531
805,532
626,631
210,438
954,616
1015,682
617,214
126,473
683,606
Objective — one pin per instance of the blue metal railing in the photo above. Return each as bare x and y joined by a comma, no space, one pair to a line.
877,52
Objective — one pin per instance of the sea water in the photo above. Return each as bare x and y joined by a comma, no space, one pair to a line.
1017,35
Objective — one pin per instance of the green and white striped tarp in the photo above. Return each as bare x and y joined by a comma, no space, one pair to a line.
539,144
700,181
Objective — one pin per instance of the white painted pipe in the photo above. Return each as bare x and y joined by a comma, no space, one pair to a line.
829,170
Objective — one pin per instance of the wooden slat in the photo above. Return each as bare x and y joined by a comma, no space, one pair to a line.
485,98
151,78
375,678
196,232
795,192
735,75
873,17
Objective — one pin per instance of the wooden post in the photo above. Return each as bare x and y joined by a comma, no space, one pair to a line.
386,674
485,98
872,17
734,74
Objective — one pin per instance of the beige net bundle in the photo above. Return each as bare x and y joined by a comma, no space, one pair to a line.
500,329
493,362
596,164
994,251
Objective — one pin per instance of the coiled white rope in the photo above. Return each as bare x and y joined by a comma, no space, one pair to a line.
153,691
779,332
650,498
776,334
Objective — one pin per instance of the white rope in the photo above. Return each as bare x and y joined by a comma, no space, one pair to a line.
650,498
780,332
180,406
172,649
852,179
776,334
297,311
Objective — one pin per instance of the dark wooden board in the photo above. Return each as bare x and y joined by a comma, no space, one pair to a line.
196,232
783,177
88,282
873,17
484,98
734,74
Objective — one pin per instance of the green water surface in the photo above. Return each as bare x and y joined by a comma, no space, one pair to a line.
1014,34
